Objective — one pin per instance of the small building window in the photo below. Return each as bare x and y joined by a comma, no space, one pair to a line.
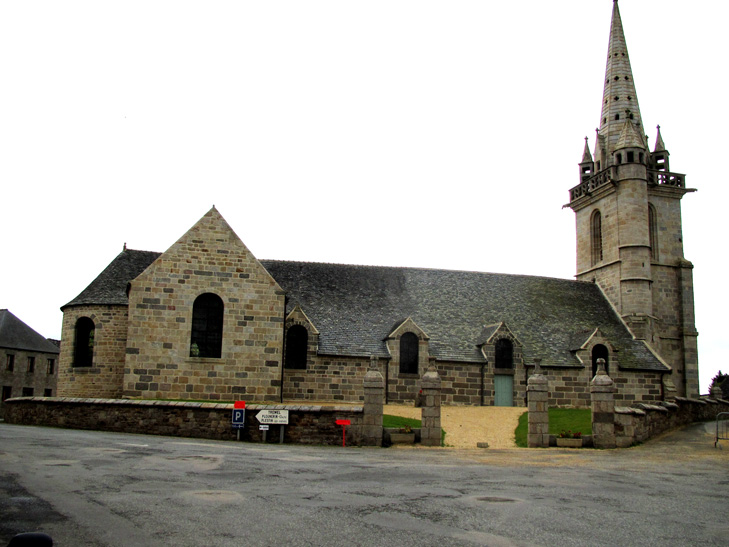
83,348
297,341
51,366
48,392
27,392
206,338
653,231
7,392
596,237
504,353
600,352
409,353
31,365
10,362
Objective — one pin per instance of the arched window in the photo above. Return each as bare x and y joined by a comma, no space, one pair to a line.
83,344
504,353
409,353
297,339
600,352
596,237
653,231
206,338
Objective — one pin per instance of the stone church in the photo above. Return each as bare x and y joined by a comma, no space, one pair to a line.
207,320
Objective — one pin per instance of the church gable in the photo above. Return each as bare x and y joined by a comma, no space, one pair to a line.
302,340
408,347
501,348
209,253
407,326
205,320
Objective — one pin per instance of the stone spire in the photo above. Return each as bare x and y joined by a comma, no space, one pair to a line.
620,101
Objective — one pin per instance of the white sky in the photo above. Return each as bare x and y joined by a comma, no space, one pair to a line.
442,134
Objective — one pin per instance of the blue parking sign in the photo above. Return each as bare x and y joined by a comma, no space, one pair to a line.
239,418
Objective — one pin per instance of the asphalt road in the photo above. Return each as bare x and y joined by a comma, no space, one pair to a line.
90,488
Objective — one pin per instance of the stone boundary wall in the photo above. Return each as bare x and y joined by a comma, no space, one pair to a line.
643,421
308,424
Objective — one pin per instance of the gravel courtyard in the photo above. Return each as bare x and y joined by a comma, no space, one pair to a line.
467,425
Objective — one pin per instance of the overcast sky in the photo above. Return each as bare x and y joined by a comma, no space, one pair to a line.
439,134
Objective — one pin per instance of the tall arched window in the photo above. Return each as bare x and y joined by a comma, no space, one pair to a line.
653,231
600,352
83,343
596,237
206,337
297,339
504,353
409,353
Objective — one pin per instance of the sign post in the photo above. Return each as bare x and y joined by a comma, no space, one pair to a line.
344,424
239,416
263,428
280,417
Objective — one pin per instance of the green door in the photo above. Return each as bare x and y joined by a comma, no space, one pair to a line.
504,390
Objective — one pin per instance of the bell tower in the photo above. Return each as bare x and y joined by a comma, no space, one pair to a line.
628,218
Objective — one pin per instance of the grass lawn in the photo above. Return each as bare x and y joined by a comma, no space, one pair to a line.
560,419
398,421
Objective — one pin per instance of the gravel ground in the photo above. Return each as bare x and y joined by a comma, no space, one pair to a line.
467,425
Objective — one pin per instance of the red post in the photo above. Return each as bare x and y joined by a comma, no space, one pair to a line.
344,424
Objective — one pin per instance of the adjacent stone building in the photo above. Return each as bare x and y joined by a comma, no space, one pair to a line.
28,361
207,320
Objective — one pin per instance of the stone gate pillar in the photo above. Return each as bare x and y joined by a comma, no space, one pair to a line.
537,405
602,392
430,411
374,396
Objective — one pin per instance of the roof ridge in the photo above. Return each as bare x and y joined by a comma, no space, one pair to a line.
420,268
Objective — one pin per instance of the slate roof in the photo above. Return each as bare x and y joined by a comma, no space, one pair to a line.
110,287
14,334
355,307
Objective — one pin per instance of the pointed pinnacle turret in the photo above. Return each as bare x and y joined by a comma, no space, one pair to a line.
586,156
620,101
660,147
630,137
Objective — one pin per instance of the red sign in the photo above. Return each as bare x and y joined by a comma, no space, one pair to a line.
239,404
344,422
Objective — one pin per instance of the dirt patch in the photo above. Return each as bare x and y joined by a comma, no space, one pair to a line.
466,426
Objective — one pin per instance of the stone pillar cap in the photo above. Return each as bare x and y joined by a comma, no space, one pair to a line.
601,378
431,379
373,377
537,378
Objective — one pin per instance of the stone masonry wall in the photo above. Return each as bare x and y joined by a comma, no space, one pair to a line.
571,387
327,379
340,379
209,258
672,299
104,377
307,424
